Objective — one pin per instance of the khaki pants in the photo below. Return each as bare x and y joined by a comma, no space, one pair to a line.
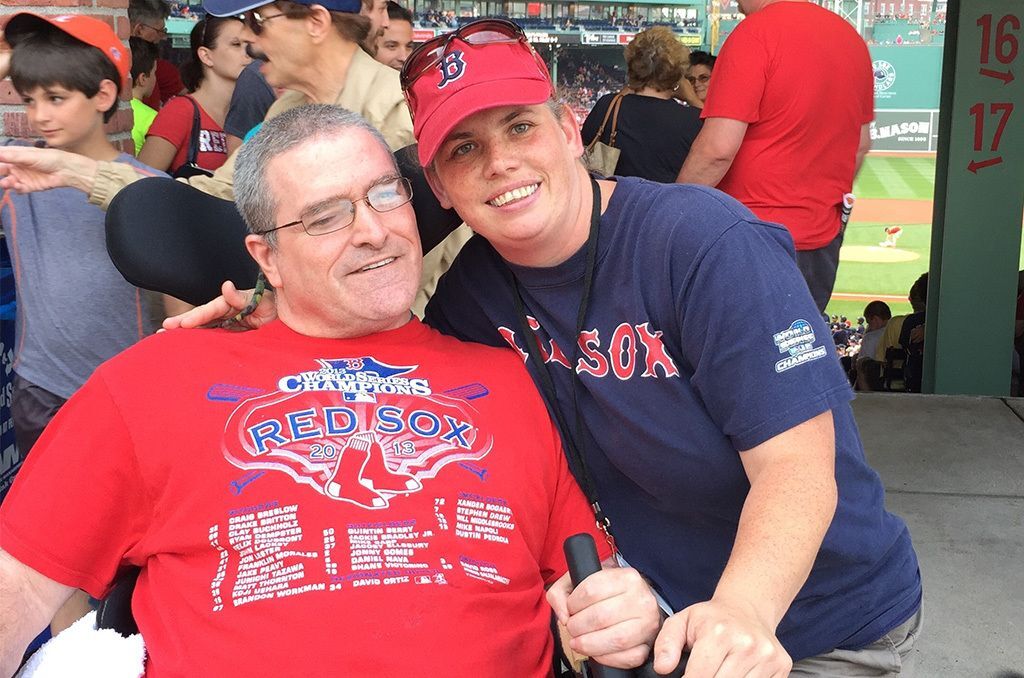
890,655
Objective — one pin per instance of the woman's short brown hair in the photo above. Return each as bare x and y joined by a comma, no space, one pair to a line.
655,58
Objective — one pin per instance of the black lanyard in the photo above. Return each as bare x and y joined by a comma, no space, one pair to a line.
547,385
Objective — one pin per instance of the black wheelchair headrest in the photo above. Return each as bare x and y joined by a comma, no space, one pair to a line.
166,236
163,235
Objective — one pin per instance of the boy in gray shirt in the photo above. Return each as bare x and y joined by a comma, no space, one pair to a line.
74,309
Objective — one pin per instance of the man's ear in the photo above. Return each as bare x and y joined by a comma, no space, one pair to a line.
435,185
319,23
106,95
265,256
567,121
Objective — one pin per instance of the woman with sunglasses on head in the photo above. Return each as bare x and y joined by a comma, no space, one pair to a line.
653,132
217,57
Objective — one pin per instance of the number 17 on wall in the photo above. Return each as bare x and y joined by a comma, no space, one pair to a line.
999,47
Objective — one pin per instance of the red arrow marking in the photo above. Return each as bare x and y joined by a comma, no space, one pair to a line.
976,165
1006,77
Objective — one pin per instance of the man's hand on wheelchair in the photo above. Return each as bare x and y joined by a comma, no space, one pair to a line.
612,616
225,309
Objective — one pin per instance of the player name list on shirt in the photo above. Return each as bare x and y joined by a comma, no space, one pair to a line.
263,550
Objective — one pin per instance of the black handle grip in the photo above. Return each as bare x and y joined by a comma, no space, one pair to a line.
581,557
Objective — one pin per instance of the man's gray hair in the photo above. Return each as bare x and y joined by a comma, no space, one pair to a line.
313,123
147,11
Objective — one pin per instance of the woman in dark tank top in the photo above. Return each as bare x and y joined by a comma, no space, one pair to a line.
654,131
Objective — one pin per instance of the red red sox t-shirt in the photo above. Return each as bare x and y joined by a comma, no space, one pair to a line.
174,124
386,506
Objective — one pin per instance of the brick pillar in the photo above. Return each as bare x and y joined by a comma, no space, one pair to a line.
115,12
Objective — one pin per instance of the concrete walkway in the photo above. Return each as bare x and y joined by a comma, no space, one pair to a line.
953,468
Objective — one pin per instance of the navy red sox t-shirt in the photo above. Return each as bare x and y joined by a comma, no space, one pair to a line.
701,340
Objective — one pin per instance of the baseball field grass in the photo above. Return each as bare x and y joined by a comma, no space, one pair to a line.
891,191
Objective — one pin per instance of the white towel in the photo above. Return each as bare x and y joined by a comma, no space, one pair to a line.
83,651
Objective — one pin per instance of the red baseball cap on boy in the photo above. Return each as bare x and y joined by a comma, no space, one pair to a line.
92,32
469,78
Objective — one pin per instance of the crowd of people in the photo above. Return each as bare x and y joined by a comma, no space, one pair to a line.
186,10
438,19
582,81
398,466
611,20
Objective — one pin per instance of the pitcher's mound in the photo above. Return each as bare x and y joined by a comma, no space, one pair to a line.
874,254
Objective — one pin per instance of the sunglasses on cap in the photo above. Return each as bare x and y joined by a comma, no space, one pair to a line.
254,20
431,53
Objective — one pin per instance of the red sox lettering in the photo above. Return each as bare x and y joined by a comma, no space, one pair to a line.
356,430
631,348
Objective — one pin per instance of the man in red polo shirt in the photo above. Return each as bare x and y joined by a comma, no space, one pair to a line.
786,125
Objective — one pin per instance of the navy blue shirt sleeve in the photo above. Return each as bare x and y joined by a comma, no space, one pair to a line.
763,359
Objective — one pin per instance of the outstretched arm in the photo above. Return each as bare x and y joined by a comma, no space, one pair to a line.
28,601
790,505
26,169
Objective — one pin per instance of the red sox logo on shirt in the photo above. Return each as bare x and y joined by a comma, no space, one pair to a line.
355,430
631,350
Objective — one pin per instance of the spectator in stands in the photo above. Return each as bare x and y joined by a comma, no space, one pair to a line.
891,336
771,90
377,12
250,102
74,308
148,20
144,56
868,370
652,130
583,81
911,337
395,44
698,76
256,95
216,58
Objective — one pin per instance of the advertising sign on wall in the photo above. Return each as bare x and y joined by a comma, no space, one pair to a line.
905,130
906,77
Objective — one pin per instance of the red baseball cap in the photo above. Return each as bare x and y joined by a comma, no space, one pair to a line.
87,29
472,78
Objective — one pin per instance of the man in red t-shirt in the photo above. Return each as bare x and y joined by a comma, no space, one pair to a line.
343,479
786,125
148,19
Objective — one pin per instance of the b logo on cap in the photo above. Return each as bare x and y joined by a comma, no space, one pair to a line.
452,67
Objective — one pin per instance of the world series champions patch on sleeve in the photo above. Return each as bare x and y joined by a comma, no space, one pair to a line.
398,502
